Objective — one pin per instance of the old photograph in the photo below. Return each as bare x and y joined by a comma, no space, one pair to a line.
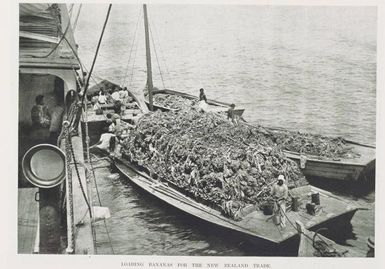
197,130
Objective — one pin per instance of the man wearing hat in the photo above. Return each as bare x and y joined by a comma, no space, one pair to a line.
280,194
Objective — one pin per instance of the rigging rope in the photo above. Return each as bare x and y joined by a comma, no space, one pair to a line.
162,53
70,9
132,46
133,66
96,53
76,19
78,175
156,56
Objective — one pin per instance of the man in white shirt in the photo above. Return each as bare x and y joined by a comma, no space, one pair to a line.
115,95
103,145
102,98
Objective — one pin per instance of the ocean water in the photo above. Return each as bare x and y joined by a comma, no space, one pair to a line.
309,69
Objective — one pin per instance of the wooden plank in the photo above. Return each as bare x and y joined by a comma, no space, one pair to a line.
330,173
335,170
337,166
28,213
323,174
84,240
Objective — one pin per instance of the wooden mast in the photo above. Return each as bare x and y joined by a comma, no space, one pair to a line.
148,57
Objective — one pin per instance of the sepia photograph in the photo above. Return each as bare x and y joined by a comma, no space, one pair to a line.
192,129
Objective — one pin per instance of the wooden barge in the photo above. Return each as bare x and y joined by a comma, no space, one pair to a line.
360,169
255,227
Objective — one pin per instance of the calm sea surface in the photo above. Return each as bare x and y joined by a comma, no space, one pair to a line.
302,68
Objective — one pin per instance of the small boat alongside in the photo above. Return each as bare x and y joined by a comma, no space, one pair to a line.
360,169
215,106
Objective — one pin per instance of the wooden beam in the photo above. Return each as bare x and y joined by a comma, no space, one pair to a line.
28,213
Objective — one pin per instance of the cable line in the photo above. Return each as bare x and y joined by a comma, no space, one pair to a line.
76,19
156,56
162,54
96,53
132,46
133,65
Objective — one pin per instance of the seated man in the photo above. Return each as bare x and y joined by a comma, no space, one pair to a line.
202,95
41,121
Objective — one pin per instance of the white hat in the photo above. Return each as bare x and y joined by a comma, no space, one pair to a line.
281,177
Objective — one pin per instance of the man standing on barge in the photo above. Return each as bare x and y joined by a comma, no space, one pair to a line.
280,194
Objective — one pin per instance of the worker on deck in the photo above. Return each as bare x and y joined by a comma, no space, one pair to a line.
202,95
280,194
115,94
39,114
111,121
104,144
94,98
41,120
102,99
118,105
